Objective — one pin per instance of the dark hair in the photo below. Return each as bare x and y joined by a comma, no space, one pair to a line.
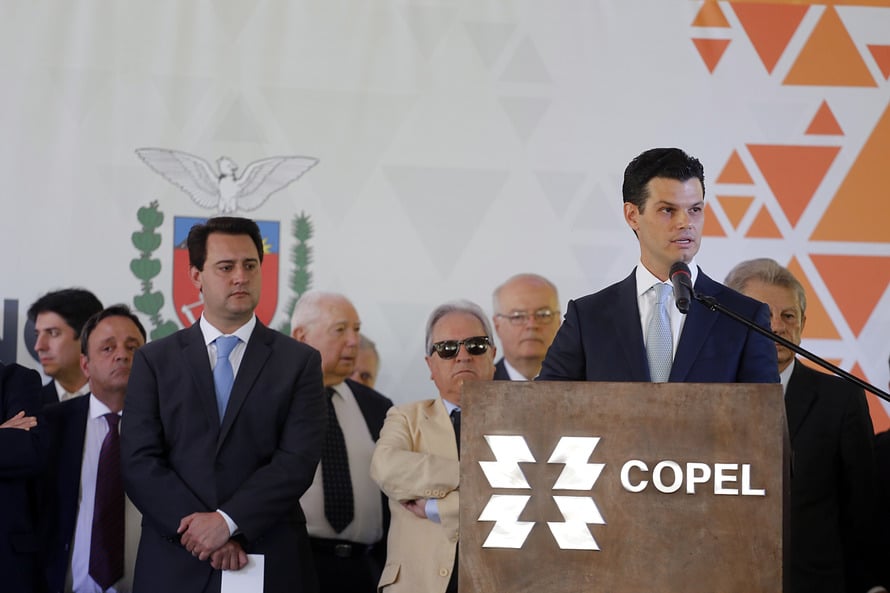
670,163
229,225
74,305
112,311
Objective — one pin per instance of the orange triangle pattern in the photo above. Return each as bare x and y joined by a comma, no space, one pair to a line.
712,227
764,227
711,50
819,324
825,123
735,207
835,361
843,219
830,57
769,27
710,15
735,171
857,283
793,173
881,54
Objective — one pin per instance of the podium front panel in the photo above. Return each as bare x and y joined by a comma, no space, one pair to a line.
622,487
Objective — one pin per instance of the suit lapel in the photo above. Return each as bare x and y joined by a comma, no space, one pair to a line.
799,397
255,355
699,322
439,429
198,362
625,317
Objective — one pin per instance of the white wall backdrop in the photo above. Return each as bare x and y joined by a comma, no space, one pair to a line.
459,142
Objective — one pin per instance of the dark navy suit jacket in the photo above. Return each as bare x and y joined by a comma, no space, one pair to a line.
500,371
67,423
832,484
179,459
21,459
601,339
48,394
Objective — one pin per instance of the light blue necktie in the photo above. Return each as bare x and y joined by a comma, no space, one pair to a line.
223,374
659,339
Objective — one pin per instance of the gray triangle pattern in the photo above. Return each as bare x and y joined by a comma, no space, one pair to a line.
598,214
238,124
782,119
490,39
446,206
235,15
428,25
77,89
525,113
526,65
329,117
183,95
560,187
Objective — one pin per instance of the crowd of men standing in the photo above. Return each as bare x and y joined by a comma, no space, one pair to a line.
161,466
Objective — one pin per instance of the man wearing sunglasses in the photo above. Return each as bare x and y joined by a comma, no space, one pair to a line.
526,318
632,331
416,459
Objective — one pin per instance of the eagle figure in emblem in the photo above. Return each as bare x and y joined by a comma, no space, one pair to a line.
225,190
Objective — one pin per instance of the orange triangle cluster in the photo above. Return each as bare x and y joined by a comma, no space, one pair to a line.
824,123
881,54
830,57
710,15
712,227
735,171
769,27
857,283
793,173
819,324
764,227
843,219
711,50
735,207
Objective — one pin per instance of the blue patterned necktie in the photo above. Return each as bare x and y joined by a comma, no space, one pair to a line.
659,339
223,374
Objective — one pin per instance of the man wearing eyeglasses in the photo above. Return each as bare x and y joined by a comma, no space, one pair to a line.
526,318
416,459
632,331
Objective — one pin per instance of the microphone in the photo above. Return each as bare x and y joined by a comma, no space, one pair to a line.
682,281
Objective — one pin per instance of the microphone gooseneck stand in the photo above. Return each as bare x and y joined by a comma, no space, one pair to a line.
712,304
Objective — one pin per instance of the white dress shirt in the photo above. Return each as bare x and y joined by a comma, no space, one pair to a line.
79,579
646,296
367,524
66,395
210,335
512,373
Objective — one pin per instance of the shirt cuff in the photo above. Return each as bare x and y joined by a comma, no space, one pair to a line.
877,589
233,527
431,508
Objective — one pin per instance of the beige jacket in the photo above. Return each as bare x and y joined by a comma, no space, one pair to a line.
416,457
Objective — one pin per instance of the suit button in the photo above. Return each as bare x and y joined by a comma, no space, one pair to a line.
428,492
443,572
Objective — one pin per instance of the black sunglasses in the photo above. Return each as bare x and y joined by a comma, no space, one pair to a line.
449,348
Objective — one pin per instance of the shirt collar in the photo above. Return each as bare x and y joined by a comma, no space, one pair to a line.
97,408
449,407
646,279
512,372
211,333
785,375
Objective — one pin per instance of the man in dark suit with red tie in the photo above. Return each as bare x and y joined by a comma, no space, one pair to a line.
20,461
631,331
223,432
90,528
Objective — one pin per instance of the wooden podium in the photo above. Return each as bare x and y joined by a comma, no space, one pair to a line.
622,488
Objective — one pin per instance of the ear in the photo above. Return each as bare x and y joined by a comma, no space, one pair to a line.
631,215
803,321
195,277
83,365
429,364
299,333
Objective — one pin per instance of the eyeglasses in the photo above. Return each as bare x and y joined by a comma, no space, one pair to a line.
475,346
542,316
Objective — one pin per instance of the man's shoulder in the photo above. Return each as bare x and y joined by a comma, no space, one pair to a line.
609,294
805,377
725,295
361,391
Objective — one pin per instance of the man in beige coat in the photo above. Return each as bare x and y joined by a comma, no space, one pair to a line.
416,459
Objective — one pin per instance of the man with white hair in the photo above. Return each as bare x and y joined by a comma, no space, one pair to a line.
345,511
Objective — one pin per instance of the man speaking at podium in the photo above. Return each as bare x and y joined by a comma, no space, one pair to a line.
632,331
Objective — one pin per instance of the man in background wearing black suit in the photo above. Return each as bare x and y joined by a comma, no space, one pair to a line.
526,319
58,318
20,462
80,435
631,331
832,467
223,432
345,510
